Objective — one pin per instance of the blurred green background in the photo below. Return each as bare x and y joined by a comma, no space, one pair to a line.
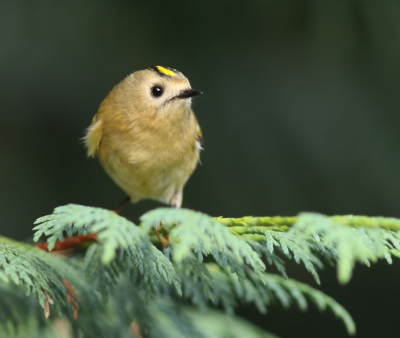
300,112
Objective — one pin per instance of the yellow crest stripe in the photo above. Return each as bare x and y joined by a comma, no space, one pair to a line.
165,71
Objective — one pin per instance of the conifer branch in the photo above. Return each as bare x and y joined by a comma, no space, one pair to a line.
44,276
283,223
240,248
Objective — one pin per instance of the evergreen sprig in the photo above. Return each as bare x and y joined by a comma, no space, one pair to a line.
349,243
228,292
57,284
121,317
115,234
192,231
342,239
215,261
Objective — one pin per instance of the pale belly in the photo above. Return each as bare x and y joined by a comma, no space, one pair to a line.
151,177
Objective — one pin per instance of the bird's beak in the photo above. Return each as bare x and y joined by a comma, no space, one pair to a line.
188,93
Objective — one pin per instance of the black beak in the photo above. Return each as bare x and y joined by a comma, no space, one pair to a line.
188,93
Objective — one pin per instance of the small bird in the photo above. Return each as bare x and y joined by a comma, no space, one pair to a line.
146,135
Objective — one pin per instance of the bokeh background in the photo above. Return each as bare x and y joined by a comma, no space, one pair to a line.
300,112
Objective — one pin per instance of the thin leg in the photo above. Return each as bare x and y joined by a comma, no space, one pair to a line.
123,203
176,201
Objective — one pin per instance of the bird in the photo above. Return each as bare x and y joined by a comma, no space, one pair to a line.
146,136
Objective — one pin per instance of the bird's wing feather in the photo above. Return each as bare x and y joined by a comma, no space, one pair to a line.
93,136
199,134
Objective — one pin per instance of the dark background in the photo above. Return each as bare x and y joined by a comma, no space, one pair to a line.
300,113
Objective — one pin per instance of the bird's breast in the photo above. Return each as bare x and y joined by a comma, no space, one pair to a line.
150,160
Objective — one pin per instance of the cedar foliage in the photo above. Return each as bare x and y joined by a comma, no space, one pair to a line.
127,285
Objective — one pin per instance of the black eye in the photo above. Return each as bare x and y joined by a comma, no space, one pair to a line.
157,91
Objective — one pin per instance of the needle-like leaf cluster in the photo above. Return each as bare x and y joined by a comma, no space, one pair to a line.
127,284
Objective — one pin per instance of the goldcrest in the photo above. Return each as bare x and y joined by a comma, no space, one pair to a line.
146,135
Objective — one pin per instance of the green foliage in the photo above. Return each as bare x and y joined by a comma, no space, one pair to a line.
191,231
220,325
349,244
126,282
230,293
39,274
113,232
288,245
342,239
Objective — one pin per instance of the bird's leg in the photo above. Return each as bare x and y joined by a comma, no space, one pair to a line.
164,240
176,201
122,205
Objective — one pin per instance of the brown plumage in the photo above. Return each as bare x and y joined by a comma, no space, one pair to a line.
146,135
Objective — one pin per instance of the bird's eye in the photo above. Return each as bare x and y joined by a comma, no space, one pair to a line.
157,91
